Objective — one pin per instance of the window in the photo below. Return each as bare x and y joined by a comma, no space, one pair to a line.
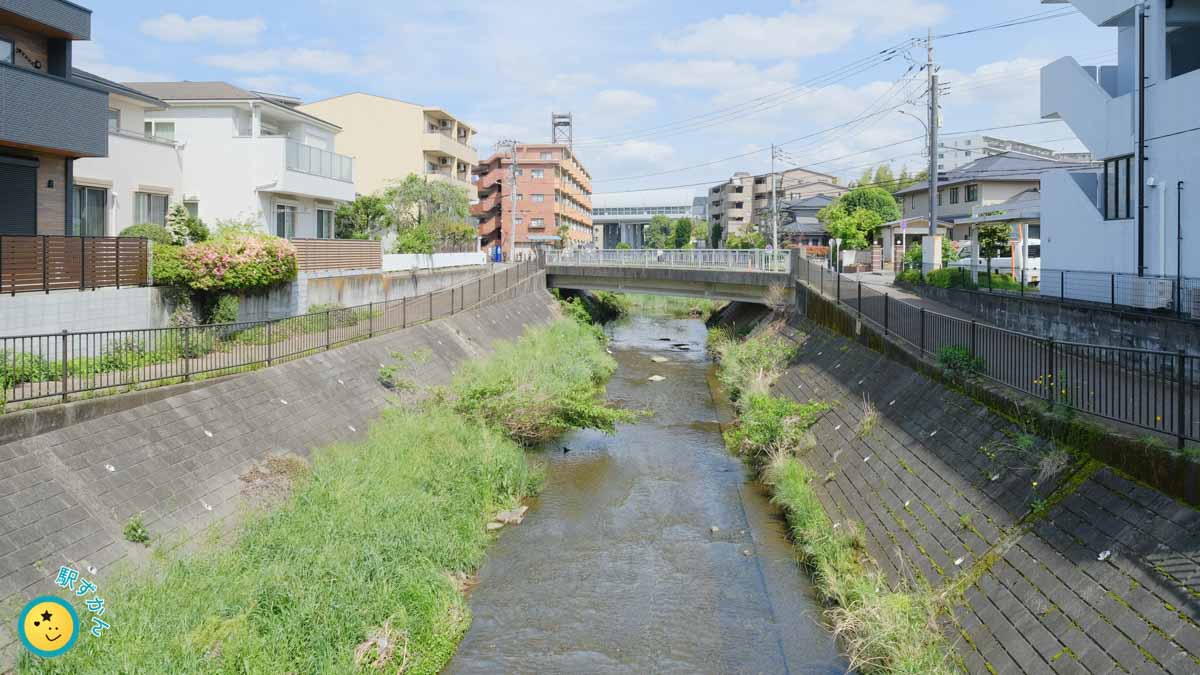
6,51
520,172
114,119
520,196
547,155
940,193
285,221
149,208
1035,251
539,173
193,207
941,155
537,222
164,130
88,211
968,153
518,220
1117,182
953,195
324,224
1183,47
972,193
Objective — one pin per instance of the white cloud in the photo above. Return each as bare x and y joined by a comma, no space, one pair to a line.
176,28
709,74
301,60
90,56
640,152
820,27
623,102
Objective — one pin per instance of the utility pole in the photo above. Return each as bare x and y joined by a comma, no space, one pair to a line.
511,144
931,72
774,204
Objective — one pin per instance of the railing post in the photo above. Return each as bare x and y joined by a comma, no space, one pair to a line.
1178,298
886,304
370,319
404,312
1062,286
451,301
1022,282
860,298
187,365
838,287
1112,289
1051,385
922,330
1180,402
65,368
327,327
973,351
270,342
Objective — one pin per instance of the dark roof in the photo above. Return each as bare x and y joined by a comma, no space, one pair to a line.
218,91
803,225
1005,166
116,87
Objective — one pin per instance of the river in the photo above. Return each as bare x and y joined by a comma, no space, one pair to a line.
616,568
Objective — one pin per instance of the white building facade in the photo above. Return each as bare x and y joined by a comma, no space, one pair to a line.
246,156
1138,217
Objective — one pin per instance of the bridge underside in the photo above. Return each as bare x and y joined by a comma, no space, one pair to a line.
691,283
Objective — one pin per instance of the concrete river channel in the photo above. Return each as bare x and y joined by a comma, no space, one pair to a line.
617,569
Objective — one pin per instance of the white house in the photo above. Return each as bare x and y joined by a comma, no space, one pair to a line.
138,177
250,156
1127,219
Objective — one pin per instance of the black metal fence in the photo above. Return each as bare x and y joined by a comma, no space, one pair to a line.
61,364
1174,296
1157,391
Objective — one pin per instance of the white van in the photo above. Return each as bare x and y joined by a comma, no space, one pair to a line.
1028,257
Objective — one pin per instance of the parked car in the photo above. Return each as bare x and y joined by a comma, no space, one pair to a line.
1029,257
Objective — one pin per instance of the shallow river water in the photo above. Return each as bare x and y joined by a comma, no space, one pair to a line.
616,568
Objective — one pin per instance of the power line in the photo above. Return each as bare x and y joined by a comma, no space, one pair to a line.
1047,15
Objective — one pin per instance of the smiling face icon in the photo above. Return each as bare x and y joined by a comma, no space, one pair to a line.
48,626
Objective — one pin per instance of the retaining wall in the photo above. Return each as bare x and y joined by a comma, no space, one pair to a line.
1083,571
101,309
65,495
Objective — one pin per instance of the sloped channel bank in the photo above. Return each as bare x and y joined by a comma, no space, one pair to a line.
617,568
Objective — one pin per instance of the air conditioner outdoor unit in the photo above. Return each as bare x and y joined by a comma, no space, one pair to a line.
1150,293
445,161
445,124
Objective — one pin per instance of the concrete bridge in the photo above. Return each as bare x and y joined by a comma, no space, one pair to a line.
720,274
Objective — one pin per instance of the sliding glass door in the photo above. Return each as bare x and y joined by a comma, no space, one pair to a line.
89,211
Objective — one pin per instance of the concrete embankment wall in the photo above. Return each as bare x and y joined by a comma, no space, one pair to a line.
1083,571
1091,324
66,495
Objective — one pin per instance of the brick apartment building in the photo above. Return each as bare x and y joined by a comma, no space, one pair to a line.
554,200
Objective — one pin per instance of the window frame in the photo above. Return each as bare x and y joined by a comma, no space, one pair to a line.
972,193
289,230
1112,207
329,225
79,195
12,51
150,197
537,173
113,128
954,192
150,129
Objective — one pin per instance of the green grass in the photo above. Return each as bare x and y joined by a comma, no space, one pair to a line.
375,537
672,306
750,365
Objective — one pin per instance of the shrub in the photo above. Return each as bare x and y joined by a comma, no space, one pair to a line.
135,530
166,265
623,246
197,230
225,310
768,424
239,262
549,381
416,239
152,231
749,364
177,227
958,361
909,276
233,227
21,367
746,240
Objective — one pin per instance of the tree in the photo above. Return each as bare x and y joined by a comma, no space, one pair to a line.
177,218
856,215
367,217
746,240
682,233
658,233
993,240
884,178
715,235
874,199
429,211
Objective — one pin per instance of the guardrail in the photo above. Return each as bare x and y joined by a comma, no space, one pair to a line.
51,365
44,263
1153,390
754,260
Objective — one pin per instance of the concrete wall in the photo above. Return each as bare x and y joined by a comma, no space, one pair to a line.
349,288
65,495
101,309
393,262
1078,323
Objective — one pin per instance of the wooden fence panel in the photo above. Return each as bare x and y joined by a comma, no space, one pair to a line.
46,263
337,254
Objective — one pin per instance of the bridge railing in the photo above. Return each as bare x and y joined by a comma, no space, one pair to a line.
755,260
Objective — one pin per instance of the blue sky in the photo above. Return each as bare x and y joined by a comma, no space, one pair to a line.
639,75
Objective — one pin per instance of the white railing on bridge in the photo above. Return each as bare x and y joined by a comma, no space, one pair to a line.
755,260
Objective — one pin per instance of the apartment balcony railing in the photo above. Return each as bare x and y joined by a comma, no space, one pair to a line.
319,162
45,111
43,263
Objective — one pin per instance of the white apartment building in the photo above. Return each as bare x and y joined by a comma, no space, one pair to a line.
242,155
745,200
957,151
138,178
1129,219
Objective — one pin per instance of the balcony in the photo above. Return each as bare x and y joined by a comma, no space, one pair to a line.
52,113
443,143
285,165
63,18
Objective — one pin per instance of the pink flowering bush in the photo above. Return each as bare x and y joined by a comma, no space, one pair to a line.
239,262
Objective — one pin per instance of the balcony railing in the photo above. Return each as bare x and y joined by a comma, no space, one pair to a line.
42,263
319,162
